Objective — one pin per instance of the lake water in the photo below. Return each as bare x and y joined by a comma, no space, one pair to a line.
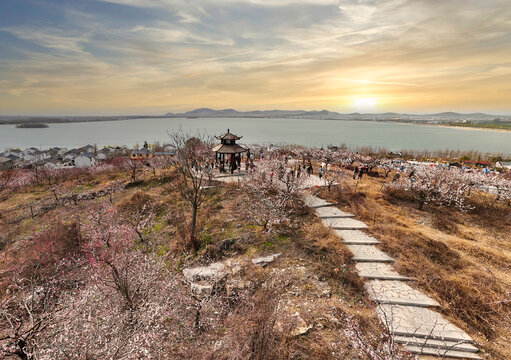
311,132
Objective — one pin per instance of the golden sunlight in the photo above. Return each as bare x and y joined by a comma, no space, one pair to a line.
365,104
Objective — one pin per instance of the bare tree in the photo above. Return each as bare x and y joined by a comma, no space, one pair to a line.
26,318
191,161
5,179
332,176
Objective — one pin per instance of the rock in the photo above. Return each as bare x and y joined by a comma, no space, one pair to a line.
213,271
218,345
302,328
262,261
232,286
236,268
201,289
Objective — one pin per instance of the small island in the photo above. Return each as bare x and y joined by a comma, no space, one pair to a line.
31,126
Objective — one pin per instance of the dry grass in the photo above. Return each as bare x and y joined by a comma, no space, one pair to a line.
311,247
463,260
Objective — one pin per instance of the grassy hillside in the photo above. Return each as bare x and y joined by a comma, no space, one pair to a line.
308,304
101,254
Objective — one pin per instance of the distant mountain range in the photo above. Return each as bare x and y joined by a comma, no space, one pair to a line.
206,112
443,117
325,114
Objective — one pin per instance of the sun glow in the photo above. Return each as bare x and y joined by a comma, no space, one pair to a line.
365,103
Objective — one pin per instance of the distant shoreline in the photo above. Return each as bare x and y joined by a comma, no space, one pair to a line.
63,120
29,122
455,127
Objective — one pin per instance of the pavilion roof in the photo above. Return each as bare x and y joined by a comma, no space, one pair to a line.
229,149
228,136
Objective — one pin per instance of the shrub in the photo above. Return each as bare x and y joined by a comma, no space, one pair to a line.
49,247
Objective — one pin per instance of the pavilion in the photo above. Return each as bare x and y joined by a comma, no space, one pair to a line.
228,148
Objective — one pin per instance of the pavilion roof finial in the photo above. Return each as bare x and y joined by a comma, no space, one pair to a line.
228,136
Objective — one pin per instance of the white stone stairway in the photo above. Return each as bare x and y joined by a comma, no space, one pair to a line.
407,312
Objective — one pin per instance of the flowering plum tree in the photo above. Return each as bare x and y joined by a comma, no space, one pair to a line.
444,187
122,303
269,191
39,279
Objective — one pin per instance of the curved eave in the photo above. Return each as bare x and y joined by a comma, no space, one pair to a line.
229,149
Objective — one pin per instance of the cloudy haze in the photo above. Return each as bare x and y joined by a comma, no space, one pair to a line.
154,56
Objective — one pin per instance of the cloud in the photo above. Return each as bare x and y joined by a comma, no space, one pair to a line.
61,41
241,53
270,3
378,82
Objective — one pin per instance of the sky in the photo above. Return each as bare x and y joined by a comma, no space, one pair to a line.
112,57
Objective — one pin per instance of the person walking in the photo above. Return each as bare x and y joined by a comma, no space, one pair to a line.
355,173
320,172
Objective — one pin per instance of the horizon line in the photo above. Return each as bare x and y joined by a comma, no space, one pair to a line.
248,111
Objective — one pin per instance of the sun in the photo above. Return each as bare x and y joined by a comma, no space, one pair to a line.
365,103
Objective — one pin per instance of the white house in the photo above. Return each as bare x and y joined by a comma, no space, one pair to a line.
57,151
503,165
31,150
71,154
14,152
86,148
103,154
85,160
28,157
35,155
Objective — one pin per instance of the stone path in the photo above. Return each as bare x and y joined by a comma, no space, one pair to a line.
344,223
314,181
397,292
230,178
356,237
369,253
329,212
405,310
315,202
379,271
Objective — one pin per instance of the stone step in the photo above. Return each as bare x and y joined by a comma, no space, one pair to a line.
398,293
213,271
356,237
380,271
331,212
315,202
344,224
263,261
228,175
419,322
436,344
442,353
368,253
